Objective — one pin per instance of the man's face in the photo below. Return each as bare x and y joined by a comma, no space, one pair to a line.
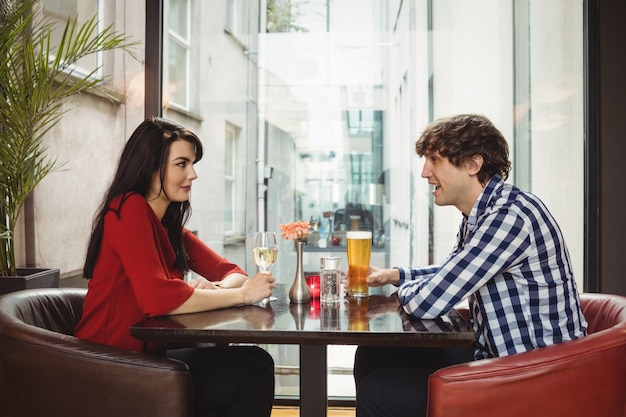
452,186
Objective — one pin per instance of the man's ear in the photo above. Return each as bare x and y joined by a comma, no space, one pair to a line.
474,164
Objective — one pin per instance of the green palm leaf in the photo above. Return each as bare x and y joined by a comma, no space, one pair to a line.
35,78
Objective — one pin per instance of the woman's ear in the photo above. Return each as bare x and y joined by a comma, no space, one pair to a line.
475,164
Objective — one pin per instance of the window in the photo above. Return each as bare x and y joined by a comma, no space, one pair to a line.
329,99
179,44
236,19
59,11
230,176
351,95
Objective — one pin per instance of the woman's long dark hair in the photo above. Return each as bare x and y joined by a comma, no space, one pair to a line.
144,154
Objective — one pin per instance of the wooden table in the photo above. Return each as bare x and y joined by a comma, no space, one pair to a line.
377,321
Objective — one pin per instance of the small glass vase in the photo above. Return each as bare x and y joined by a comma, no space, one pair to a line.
299,291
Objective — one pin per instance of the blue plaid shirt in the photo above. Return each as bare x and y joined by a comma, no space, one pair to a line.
511,261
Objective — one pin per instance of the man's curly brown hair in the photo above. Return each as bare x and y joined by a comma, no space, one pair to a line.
461,137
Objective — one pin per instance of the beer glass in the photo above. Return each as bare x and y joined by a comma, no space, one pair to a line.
359,244
357,309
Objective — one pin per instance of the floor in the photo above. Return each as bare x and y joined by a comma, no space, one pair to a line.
295,412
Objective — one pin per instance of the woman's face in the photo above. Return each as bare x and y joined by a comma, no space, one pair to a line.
179,174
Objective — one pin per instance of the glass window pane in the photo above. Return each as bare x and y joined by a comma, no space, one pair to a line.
178,73
178,17
59,11
228,211
329,99
229,152
364,93
230,179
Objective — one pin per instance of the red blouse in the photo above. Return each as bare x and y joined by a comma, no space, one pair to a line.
134,276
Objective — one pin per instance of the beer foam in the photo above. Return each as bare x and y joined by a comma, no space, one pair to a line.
358,235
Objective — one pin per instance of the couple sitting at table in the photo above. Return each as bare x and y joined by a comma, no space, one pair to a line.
509,256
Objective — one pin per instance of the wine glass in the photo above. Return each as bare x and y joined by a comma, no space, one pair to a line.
265,252
315,222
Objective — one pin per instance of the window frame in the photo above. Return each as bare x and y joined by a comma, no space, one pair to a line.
230,178
183,41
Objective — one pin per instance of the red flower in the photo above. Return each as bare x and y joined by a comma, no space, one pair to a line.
295,230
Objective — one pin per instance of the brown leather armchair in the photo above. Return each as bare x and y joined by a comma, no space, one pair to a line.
584,377
46,371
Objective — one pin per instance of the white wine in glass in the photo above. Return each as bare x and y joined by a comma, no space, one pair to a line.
265,252
315,222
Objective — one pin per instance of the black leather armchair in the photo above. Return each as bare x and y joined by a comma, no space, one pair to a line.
46,371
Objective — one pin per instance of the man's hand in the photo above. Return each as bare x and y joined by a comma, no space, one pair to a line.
378,277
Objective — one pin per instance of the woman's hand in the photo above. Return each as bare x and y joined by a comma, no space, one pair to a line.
203,284
259,287
251,291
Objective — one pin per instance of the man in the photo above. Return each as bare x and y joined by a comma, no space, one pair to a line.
510,261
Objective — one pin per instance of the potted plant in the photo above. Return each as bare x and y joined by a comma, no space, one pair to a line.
36,76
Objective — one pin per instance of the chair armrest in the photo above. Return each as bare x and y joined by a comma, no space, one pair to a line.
584,377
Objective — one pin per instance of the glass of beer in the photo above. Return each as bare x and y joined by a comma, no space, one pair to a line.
357,309
359,244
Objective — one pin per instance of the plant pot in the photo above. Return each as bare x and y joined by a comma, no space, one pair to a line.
28,278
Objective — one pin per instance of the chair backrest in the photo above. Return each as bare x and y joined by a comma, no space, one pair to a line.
603,311
57,311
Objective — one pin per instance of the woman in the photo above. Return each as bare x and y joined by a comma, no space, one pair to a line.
138,253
